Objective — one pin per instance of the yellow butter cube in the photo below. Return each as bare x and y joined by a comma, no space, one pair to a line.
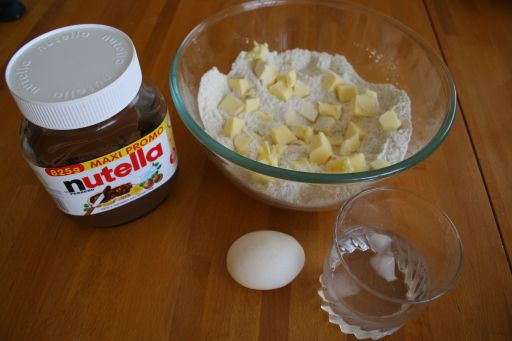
341,165
358,162
242,142
331,80
365,105
281,91
259,51
279,149
250,93
240,85
354,128
300,89
269,153
303,132
255,136
346,92
379,163
231,105
389,121
289,78
308,111
265,151
266,73
350,145
282,135
252,104
302,165
325,124
320,149
264,116
327,109
274,162
274,159
291,118
336,140
262,178
233,126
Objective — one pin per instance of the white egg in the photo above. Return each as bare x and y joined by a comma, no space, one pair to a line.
265,260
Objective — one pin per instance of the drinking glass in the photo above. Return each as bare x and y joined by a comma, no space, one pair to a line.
392,253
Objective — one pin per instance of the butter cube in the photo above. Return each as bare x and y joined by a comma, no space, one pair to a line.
327,109
302,165
266,73
350,145
320,149
269,153
281,91
259,51
262,178
231,105
346,92
233,126
308,111
358,162
279,149
242,142
341,165
252,104
291,118
289,78
389,121
365,105
300,89
263,116
336,140
256,136
303,132
282,135
331,80
240,85
265,151
354,128
274,159
325,124
250,93
379,163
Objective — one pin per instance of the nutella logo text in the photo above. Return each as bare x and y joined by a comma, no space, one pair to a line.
22,73
49,43
114,179
135,161
121,51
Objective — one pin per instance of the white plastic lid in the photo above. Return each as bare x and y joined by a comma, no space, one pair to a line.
75,76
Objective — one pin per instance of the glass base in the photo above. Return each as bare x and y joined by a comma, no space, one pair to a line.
347,328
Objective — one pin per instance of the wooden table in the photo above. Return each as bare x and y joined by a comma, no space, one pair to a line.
164,276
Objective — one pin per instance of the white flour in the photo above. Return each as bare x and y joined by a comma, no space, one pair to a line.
310,67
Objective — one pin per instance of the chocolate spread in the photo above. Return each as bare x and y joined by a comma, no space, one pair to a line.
59,148
110,193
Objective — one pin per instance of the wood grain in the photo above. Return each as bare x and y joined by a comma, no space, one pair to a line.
481,29
164,277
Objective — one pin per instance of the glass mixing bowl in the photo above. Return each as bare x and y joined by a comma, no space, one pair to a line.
381,50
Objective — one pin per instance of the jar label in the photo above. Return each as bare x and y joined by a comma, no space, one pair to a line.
115,179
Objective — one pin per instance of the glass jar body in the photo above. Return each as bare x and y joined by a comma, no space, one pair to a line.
98,148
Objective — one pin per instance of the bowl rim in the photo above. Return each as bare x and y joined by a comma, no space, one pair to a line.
310,177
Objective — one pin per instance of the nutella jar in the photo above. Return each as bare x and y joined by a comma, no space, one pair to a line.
97,136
